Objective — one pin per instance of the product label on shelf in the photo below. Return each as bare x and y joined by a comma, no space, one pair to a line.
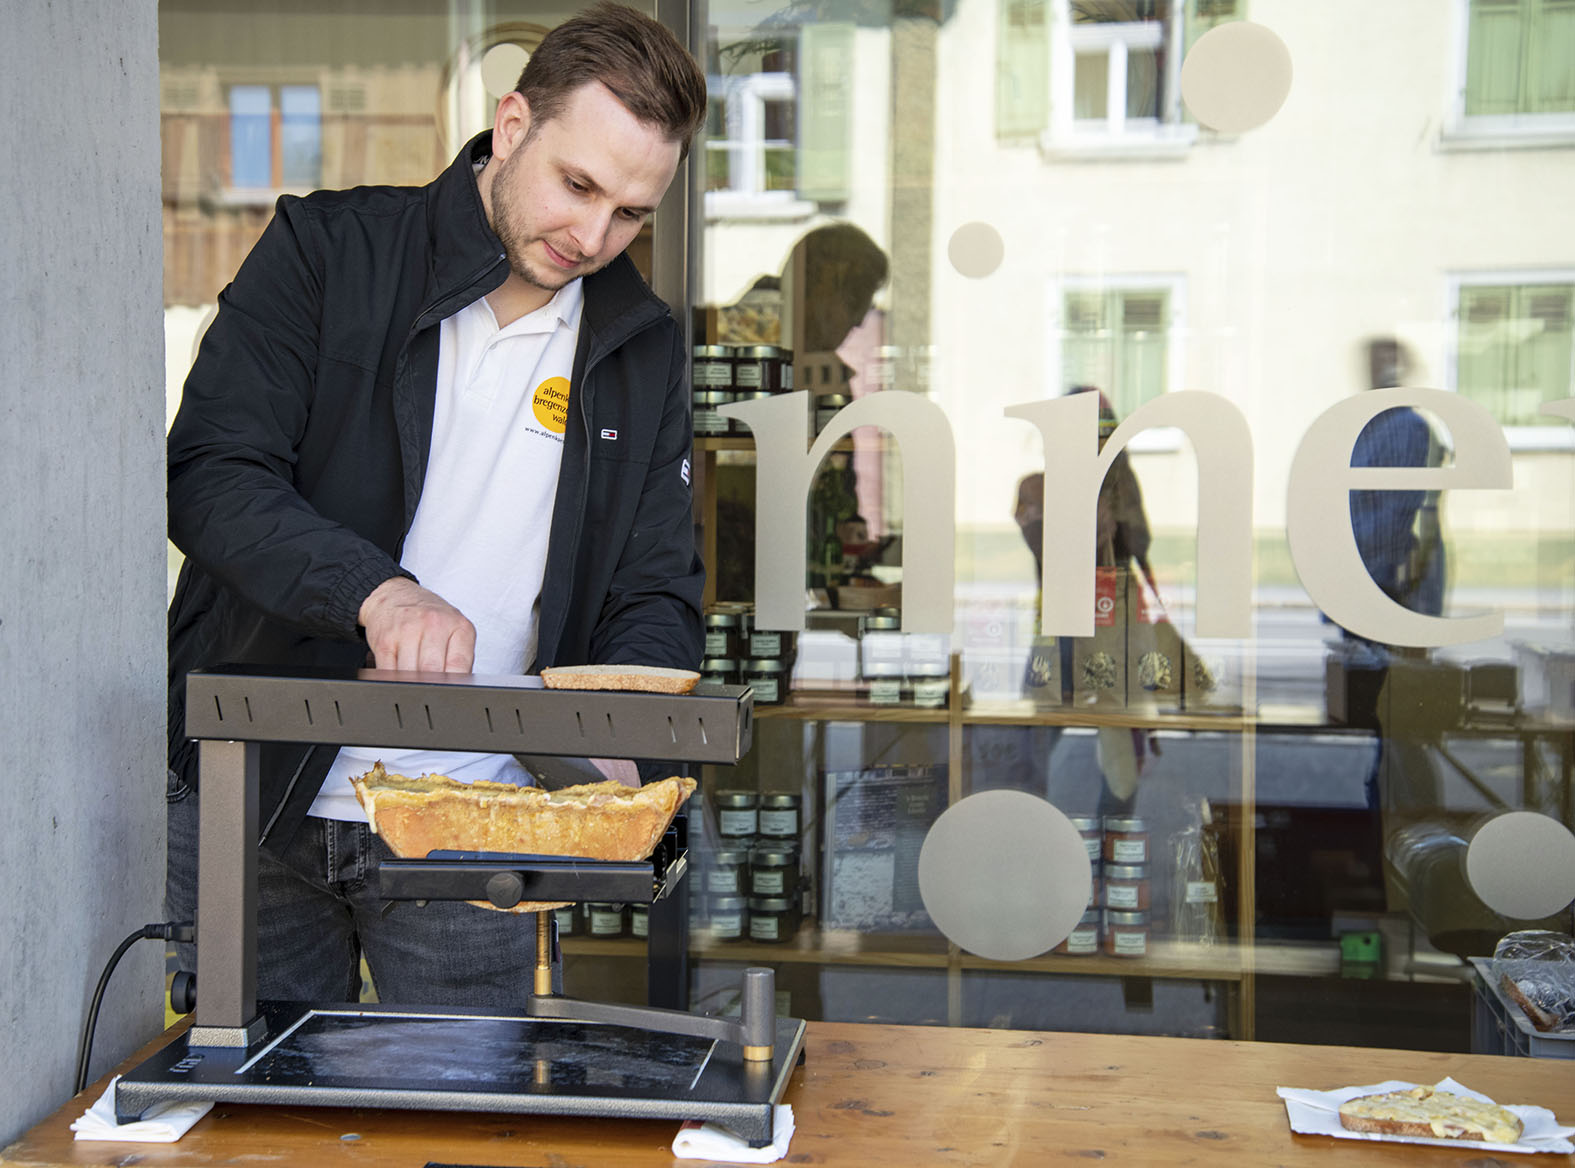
1083,941
1121,896
769,881
886,692
1130,944
711,375
708,421
736,823
1202,892
606,923
765,928
765,644
748,376
722,880
640,924
767,689
727,926
715,643
782,824
1129,851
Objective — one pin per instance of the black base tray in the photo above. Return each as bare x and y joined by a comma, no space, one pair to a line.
472,1060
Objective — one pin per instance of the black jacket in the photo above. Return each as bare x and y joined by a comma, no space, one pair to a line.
297,458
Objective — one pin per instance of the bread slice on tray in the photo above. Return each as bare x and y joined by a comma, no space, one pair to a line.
600,821
1430,1114
638,678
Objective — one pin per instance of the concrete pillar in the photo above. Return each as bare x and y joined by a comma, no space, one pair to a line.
82,576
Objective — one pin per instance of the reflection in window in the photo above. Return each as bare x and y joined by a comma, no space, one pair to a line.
276,136
1098,70
1117,340
1514,352
1518,58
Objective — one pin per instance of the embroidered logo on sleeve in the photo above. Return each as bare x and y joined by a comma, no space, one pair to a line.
610,435
683,472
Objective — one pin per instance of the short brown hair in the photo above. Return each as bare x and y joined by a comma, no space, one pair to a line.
639,60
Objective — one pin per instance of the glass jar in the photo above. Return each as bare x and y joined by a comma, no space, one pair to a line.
778,819
1088,827
768,677
639,920
773,871
719,670
1126,840
727,871
606,919
827,406
722,636
768,642
930,690
727,918
1126,887
1126,934
764,368
881,655
1083,940
568,919
773,919
707,422
712,368
743,397
735,815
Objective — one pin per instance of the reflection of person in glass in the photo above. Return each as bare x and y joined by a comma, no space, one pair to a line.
384,398
1399,538
1122,540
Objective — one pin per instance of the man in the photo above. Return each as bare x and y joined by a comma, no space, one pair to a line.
440,428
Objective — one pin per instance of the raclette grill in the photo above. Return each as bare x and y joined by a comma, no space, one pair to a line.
562,1056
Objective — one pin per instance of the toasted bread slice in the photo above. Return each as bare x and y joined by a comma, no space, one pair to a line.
1424,1112
641,678
601,821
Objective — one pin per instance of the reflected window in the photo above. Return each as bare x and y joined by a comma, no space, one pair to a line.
1118,339
276,136
1513,350
1098,73
1518,59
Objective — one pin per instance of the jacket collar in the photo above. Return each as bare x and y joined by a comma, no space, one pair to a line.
618,303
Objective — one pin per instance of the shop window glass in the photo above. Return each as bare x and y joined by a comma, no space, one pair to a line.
1518,57
1117,341
1514,352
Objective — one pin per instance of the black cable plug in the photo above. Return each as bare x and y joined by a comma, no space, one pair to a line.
167,931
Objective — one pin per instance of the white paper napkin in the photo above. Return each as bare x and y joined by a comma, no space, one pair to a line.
710,1141
163,1124
1318,1113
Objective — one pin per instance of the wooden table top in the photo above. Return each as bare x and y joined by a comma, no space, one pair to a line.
908,1096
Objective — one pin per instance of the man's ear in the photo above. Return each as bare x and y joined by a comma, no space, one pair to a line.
510,124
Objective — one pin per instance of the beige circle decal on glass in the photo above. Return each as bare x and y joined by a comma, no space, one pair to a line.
501,66
976,250
1005,875
1236,77
551,404
1522,865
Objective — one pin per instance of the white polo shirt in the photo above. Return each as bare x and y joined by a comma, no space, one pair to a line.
479,537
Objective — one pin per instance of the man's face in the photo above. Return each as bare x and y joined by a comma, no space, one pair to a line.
568,198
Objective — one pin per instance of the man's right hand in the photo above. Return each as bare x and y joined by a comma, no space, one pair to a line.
408,627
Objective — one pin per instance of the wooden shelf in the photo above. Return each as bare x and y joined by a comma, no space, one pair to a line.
1175,960
849,707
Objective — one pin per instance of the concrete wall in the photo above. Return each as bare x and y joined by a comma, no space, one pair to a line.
82,530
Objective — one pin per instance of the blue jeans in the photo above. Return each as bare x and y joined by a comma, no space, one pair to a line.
318,913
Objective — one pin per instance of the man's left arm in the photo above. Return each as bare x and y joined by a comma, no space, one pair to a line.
651,615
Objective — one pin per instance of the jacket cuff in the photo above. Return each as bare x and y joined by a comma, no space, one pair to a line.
359,581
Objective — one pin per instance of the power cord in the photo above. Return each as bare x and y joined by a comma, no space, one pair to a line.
168,931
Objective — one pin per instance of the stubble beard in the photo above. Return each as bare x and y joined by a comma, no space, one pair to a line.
516,239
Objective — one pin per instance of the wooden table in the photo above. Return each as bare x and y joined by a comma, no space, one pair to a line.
906,1096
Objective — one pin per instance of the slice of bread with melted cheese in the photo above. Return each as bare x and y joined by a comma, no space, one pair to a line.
1422,1111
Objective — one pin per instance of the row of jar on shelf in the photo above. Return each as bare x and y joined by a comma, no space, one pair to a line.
894,667
724,374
